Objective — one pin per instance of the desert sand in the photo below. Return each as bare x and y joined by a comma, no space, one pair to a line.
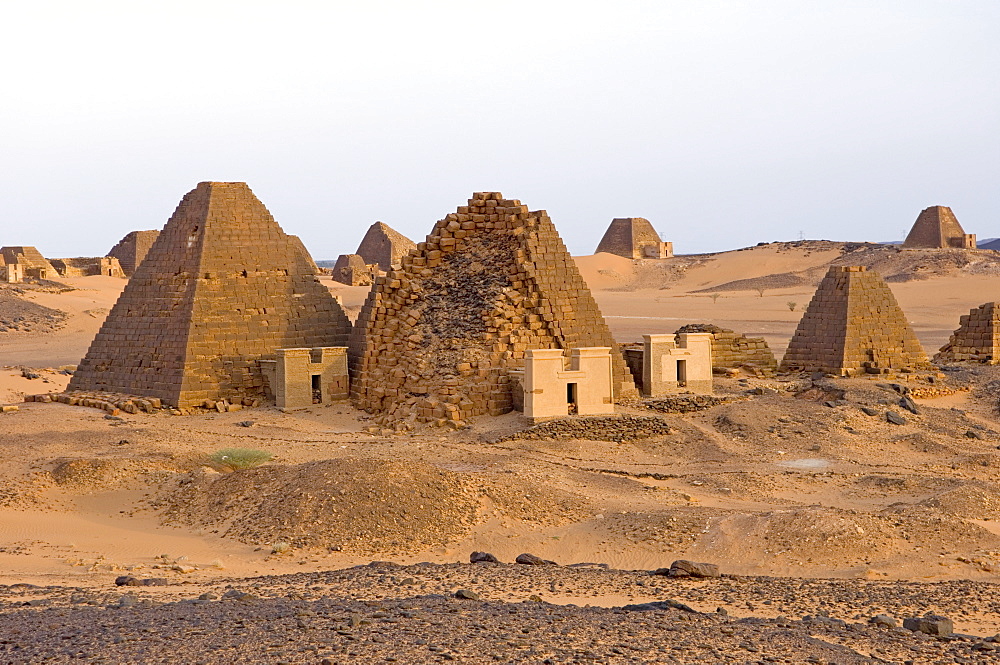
819,515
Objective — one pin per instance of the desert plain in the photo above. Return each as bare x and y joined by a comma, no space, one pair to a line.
829,523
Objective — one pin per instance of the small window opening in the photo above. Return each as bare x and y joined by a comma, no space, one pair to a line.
317,389
682,373
571,402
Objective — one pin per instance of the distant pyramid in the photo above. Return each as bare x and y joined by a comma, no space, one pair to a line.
436,337
937,227
132,249
384,246
977,337
35,265
222,286
634,238
352,270
852,325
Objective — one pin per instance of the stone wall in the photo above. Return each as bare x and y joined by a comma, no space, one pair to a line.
132,249
733,350
437,336
87,266
352,270
977,338
221,287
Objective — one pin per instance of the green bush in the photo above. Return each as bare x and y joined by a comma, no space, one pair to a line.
240,458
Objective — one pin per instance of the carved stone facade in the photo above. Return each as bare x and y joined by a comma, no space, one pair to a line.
675,364
634,238
300,378
554,388
222,287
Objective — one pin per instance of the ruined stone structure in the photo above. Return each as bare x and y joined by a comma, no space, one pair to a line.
352,270
32,264
733,350
937,227
977,338
437,336
299,378
132,249
634,238
553,388
674,364
853,325
384,246
11,273
222,287
87,266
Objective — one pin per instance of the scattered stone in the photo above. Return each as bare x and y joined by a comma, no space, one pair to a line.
685,568
883,621
483,557
894,418
532,560
931,624
868,411
466,594
973,434
127,580
660,605
907,403
595,428
246,423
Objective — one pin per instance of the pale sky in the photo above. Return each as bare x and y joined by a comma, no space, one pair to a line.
724,123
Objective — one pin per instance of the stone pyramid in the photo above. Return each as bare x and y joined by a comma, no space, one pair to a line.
34,263
937,227
977,337
132,249
437,336
634,238
384,246
853,325
222,286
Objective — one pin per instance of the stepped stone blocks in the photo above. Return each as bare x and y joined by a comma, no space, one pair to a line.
32,263
352,270
222,287
732,350
132,249
438,334
937,227
977,338
634,238
384,246
853,325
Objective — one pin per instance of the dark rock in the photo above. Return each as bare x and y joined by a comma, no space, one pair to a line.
883,621
532,560
685,568
894,418
868,411
659,606
127,580
483,557
931,624
973,434
246,423
155,581
907,403
466,594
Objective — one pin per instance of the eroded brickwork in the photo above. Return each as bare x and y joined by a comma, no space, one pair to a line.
634,238
937,227
977,338
31,261
222,286
436,338
132,249
853,324
731,349
384,246
352,270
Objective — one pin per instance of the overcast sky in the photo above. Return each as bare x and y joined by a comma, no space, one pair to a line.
724,123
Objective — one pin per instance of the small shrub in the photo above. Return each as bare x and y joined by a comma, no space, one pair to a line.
280,547
760,292
715,297
240,458
791,305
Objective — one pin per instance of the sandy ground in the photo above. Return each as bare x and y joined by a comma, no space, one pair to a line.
809,506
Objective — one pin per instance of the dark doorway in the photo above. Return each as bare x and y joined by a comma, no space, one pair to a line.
571,399
682,373
317,389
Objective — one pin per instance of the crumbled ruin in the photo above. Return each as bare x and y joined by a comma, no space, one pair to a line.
132,249
977,338
352,270
437,336
384,246
634,238
18,263
853,325
732,350
222,287
937,227
108,266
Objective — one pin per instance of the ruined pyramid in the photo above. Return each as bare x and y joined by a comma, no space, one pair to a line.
222,286
634,238
437,336
853,325
977,338
937,227
132,249
384,246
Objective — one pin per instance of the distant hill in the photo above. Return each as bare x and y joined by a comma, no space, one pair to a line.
989,243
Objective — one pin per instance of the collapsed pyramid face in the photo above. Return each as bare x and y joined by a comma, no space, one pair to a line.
384,246
132,249
977,338
222,286
437,335
937,227
633,238
853,324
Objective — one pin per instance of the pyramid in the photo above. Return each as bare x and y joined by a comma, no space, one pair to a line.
35,265
977,337
852,325
937,227
352,270
132,249
384,246
437,336
222,286
634,238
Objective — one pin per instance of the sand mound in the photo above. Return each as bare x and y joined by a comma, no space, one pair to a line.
535,503
114,472
968,501
20,315
359,505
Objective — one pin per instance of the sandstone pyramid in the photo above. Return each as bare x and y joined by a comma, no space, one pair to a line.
384,246
937,227
852,325
634,238
352,270
132,249
977,337
222,286
436,337
34,264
